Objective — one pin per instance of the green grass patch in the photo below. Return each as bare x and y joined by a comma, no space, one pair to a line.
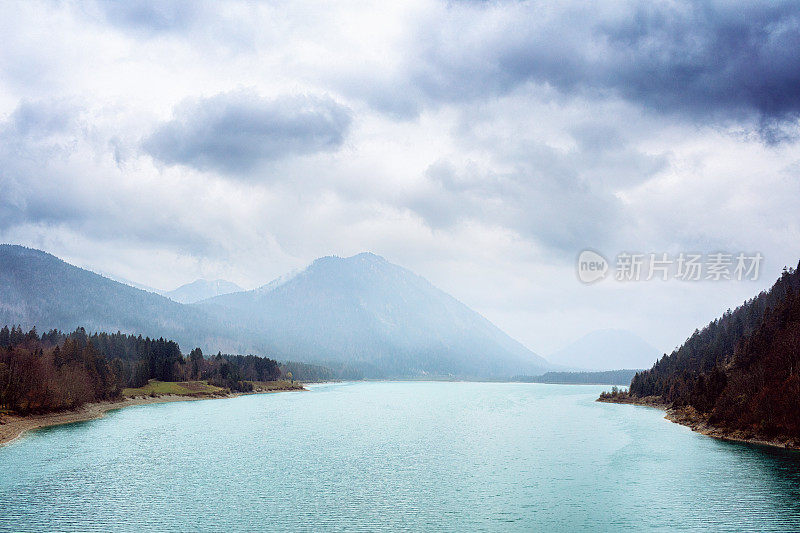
182,388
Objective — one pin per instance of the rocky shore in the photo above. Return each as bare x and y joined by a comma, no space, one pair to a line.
697,421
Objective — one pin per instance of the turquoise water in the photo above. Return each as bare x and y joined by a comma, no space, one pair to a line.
394,456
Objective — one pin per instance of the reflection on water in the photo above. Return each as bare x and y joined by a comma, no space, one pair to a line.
780,469
389,456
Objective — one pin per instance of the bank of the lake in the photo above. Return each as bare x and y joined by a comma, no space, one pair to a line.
699,422
13,426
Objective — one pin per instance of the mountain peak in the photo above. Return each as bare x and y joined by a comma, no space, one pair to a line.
202,289
368,256
366,311
363,257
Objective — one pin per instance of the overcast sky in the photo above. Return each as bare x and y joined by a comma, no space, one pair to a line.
483,145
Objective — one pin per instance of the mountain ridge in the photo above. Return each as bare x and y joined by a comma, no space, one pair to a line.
376,297
201,289
39,289
364,311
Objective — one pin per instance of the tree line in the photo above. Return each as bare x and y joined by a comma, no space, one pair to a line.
743,369
603,377
55,370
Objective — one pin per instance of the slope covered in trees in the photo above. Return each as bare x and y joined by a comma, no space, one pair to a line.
58,371
742,370
38,289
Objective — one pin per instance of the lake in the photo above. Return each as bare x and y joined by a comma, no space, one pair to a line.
394,456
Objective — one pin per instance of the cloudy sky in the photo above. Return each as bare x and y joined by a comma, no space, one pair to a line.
481,144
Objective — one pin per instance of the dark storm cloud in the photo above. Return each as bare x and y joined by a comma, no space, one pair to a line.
236,132
710,60
714,60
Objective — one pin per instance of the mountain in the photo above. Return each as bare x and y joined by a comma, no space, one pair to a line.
132,283
201,289
742,371
607,349
369,317
365,310
38,289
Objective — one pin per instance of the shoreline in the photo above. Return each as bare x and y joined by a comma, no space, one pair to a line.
698,422
13,427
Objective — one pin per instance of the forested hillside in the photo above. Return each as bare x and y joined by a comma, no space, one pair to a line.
58,371
38,289
743,369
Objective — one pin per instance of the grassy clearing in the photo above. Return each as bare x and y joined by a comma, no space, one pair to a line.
182,388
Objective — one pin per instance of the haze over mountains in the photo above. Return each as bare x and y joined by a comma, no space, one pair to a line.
363,308
201,289
38,289
607,349
360,312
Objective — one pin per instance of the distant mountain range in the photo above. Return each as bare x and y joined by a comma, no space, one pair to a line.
607,349
201,289
359,312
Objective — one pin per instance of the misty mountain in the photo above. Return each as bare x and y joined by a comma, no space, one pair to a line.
607,349
388,319
363,314
201,289
38,289
126,281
